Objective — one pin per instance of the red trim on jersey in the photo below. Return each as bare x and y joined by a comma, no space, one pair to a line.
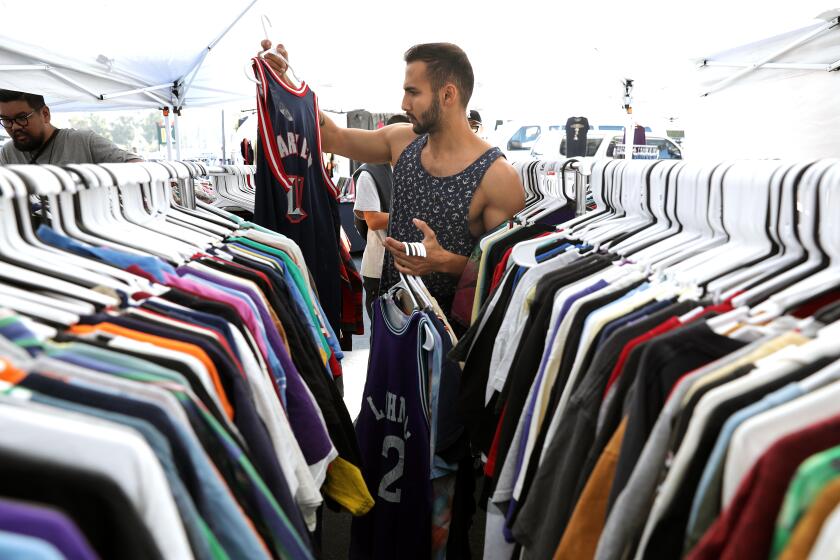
300,92
326,175
298,183
269,139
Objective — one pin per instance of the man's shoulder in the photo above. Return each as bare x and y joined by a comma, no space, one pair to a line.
74,136
74,133
10,154
501,174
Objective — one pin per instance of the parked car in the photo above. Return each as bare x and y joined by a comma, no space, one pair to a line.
600,145
517,138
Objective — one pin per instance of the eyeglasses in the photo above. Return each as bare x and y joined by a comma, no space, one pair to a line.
21,120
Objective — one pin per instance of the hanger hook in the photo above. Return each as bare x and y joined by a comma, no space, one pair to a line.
266,25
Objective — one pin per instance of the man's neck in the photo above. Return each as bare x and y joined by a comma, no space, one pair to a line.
50,131
451,137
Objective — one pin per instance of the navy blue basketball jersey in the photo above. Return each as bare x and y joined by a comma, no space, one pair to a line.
294,194
393,433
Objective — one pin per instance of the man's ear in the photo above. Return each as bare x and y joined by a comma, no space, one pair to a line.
45,111
450,94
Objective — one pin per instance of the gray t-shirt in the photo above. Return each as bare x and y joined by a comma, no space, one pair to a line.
70,146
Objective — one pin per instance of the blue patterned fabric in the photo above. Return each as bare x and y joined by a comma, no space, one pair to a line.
441,202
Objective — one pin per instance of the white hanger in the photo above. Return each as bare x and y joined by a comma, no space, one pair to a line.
36,257
129,178
524,253
266,25
712,230
101,205
16,274
187,216
662,202
48,313
828,234
68,306
635,192
693,189
67,203
65,224
551,194
746,197
791,251
606,191
808,209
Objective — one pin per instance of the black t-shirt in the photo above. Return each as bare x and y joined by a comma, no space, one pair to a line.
577,129
94,502
219,309
475,374
194,382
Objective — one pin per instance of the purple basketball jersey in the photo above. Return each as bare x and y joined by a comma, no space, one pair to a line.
393,433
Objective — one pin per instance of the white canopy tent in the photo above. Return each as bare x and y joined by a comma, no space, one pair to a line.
551,60
774,98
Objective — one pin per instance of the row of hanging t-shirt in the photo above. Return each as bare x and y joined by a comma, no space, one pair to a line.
659,378
192,414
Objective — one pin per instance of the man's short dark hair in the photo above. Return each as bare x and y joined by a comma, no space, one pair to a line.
398,118
445,62
34,101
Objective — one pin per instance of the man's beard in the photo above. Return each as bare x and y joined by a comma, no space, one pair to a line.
429,121
26,143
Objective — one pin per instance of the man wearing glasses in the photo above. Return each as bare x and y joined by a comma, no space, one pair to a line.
475,120
25,117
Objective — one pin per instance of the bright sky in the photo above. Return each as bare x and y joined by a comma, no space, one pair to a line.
540,57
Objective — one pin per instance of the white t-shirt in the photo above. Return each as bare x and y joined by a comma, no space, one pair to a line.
367,200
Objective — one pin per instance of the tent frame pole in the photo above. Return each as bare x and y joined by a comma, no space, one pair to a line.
133,91
168,135
194,71
770,65
177,137
831,24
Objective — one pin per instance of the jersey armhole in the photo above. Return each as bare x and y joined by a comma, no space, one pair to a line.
330,185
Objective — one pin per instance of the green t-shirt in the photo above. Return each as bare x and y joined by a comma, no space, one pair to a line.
810,479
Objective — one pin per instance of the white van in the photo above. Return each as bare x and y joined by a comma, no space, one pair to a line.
517,138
